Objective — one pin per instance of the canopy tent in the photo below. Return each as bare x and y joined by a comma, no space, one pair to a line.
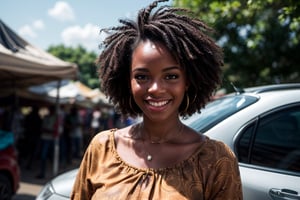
23,65
94,94
43,95
69,92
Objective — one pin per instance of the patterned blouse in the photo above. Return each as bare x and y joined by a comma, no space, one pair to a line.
210,173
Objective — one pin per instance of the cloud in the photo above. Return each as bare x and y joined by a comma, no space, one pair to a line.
88,36
38,24
62,11
27,31
30,31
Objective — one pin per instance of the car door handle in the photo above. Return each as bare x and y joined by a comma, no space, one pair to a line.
286,194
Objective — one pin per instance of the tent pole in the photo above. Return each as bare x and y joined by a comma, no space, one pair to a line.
57,132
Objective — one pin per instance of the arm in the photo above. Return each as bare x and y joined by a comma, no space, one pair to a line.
87,179
82,188
225,180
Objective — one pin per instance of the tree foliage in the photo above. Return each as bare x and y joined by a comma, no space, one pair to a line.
85,61
260,38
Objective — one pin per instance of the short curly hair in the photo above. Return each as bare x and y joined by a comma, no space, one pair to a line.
184,36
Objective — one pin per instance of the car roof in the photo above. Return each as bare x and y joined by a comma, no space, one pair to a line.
270,88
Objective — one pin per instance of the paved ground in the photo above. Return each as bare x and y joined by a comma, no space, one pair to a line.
30,186
27,191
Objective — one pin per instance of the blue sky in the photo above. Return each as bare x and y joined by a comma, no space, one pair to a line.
48,22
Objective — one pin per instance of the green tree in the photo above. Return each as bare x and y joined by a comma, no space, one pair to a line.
85,61
260,38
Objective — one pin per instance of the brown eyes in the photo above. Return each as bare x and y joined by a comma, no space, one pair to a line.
172,76
143,77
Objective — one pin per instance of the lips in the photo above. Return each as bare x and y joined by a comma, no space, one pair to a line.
157,103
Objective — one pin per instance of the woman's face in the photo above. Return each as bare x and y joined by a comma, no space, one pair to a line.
158,83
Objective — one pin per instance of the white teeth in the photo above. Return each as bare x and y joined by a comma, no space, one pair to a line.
158,104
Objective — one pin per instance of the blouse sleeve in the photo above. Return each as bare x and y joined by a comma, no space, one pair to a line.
225,181
83,187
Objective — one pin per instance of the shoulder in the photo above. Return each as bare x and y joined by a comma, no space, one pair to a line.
123,132
215,151
100,145
102,138
214,158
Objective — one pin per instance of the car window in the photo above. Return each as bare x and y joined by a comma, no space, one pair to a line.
217,111
274,142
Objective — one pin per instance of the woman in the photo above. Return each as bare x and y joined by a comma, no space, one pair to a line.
160,68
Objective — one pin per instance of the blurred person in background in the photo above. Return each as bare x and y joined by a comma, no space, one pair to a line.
49,129
75,121
32,133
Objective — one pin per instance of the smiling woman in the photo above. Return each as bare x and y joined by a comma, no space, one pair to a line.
164,75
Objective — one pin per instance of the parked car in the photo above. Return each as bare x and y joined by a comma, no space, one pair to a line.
9,168
261,125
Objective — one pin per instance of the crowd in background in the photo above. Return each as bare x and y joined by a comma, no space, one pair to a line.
36,128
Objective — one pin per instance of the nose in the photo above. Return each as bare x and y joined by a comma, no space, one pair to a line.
155,86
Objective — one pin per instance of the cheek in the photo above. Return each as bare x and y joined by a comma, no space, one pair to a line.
137,92
180,91
135,87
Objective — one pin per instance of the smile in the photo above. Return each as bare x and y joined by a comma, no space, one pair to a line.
157,104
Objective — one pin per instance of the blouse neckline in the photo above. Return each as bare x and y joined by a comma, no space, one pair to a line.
177,165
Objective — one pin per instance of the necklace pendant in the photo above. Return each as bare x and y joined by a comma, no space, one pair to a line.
149,157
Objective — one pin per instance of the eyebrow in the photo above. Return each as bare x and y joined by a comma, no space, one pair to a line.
164,70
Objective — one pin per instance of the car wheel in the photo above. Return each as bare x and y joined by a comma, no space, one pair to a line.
6,189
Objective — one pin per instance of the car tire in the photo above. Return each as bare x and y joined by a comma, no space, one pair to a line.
6,190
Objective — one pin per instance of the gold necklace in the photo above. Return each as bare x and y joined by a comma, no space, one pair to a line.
149,157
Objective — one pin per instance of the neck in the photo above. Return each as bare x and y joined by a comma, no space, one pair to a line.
161,132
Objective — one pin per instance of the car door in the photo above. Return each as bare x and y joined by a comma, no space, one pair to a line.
268,150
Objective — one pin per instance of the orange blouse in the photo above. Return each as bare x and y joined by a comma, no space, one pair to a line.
210,173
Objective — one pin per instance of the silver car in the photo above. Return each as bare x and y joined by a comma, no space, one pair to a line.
261,125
